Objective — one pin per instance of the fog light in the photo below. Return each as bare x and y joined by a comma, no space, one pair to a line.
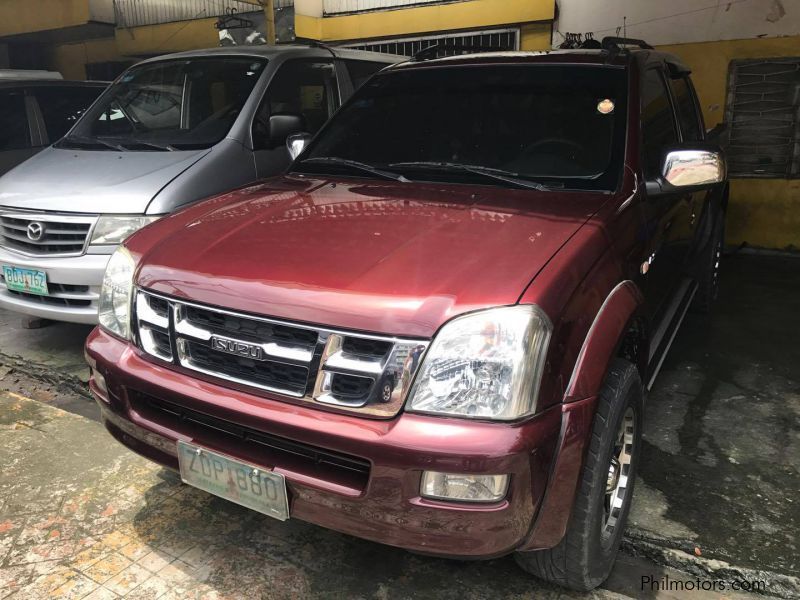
465,488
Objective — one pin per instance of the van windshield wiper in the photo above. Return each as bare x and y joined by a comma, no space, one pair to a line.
90,142
356,165
488,172
129,142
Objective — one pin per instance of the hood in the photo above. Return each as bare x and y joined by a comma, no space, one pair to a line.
398,259
93,181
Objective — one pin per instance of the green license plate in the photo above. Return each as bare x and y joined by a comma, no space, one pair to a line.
247,485
28,281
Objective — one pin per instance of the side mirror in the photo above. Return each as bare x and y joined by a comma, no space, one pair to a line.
282,125
689,170
297,143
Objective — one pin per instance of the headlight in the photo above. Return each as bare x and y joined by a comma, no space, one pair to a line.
114,230
485,365
115,294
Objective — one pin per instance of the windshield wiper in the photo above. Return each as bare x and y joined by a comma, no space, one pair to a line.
354,164
490,173
91,142
127,143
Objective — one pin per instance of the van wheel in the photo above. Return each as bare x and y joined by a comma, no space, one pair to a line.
584,557
708,283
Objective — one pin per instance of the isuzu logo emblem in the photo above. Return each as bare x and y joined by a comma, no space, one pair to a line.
35,231
237,348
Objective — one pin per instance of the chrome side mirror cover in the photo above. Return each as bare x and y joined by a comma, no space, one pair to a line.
296,143
687,168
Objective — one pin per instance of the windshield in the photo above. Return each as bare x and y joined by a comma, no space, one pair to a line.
170,105
562,126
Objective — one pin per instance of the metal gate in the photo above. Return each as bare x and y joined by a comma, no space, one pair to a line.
501,39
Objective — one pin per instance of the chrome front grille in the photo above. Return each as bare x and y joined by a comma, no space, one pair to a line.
45,234
356,372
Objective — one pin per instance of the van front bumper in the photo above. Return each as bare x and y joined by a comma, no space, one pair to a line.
381,503
74,285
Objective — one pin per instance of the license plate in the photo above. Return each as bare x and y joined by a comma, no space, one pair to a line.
29,281
247,485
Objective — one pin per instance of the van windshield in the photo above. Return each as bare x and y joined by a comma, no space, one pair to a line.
169,105
538,126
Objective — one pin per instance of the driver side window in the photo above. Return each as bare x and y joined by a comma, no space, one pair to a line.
658,123
302,87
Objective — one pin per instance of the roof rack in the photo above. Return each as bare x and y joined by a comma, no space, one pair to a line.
317,44
613,43
438,50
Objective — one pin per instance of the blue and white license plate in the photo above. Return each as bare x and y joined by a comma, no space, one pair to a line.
29,281
247,485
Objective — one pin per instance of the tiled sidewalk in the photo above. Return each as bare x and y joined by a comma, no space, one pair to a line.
82,517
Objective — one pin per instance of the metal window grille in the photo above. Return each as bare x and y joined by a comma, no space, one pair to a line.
504,39
338,7
135,13
763,113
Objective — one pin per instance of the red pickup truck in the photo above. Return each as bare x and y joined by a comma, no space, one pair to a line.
436,330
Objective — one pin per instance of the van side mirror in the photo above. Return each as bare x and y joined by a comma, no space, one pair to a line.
687,170
282,125
297,143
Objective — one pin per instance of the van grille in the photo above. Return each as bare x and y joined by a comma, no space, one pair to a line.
59,294
45,234
361,373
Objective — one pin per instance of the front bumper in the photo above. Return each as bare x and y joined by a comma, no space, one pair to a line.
74,286
384,505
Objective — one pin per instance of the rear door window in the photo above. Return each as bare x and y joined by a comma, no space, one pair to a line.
658,123
62,106
15,133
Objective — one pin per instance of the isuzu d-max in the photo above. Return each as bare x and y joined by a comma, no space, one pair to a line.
436,330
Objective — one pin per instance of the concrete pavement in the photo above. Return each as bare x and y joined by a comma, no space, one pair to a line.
81,517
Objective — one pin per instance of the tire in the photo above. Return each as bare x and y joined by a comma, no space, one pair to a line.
585,556
708,281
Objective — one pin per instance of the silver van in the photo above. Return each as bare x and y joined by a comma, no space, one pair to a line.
168,132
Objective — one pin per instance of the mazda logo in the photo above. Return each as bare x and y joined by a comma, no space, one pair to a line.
35,231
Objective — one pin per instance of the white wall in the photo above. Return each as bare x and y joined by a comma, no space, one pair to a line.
101,11
680,21
310,8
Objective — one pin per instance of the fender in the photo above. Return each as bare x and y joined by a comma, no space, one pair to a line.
599,348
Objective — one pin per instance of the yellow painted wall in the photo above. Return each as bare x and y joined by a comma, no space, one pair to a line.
424,19
536,36
71,59
26,16
167,37
762,212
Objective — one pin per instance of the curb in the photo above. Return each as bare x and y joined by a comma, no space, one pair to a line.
674,554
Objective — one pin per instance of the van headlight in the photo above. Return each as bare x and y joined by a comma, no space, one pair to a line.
116,229
485,365
115,294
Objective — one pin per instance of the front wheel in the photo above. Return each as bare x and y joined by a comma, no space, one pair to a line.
584,557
